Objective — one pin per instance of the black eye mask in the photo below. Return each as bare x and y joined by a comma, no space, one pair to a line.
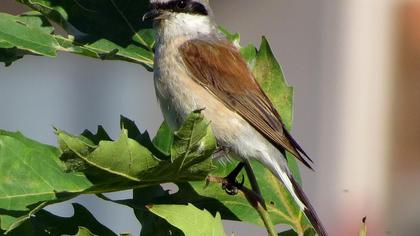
182,6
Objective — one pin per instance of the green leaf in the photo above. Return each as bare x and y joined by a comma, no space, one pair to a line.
164,138
31,33
35,174
4,44
117,21
35,20
102,29
106,50
249,53
143,138
31,173
127,159
146,37
233,37
269,75
23,33
191,220
28,33
193,143
150,223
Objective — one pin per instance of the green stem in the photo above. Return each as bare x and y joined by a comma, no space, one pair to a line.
266,219
260,203
256,201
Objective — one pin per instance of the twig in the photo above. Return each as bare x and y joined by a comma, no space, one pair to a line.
261,209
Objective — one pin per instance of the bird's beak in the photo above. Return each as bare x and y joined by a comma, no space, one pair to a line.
151,14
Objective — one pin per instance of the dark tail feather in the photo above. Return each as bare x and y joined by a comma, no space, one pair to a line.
309,211
296,145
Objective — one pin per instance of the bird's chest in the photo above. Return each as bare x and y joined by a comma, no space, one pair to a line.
177,92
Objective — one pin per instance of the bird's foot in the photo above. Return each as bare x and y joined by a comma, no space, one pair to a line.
231,186
229,183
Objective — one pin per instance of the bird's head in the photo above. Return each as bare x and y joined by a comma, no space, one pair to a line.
181,16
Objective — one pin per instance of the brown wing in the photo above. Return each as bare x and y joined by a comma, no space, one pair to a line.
220,68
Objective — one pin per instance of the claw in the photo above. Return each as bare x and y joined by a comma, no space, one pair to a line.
230,189
230,184
233,191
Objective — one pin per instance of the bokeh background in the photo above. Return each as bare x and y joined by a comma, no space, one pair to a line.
355,67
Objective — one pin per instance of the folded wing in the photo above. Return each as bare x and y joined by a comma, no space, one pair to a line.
220,68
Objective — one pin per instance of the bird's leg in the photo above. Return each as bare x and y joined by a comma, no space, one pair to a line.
253,181
230,185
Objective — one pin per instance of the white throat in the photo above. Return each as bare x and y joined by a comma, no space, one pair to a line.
186,26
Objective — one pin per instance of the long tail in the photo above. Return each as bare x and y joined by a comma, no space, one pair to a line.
296,190
308,210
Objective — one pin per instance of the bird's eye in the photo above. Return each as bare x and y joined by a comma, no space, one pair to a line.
182,4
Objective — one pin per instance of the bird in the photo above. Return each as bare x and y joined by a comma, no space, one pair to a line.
197,68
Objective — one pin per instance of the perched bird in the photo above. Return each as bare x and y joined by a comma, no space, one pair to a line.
196,67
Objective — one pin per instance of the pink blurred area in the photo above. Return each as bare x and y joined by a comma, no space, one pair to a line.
355,67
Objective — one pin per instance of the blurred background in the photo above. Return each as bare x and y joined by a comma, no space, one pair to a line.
355,67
